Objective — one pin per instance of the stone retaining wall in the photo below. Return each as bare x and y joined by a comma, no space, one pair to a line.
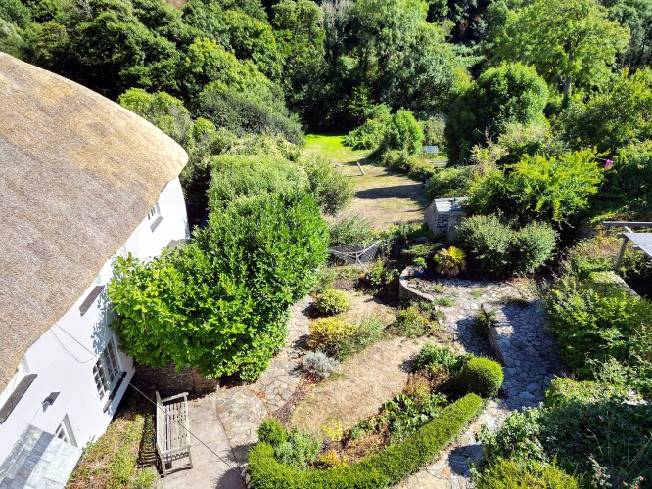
168,381
405,292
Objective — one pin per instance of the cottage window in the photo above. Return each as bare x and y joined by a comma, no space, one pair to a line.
154,217
106,370
64,432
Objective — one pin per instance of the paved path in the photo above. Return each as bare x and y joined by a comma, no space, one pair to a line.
530,362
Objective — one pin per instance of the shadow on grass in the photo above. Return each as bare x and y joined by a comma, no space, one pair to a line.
411,191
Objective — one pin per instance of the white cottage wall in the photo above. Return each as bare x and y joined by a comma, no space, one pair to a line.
60,357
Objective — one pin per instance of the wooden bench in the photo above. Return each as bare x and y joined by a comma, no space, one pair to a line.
172,431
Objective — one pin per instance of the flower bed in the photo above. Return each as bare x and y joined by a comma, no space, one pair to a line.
376,471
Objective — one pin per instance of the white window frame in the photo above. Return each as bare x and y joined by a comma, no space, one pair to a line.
64,432
106,370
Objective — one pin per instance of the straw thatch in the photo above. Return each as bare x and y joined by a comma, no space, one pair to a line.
79,173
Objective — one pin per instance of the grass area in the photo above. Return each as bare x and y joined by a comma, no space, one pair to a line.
332,148
111,462
381,196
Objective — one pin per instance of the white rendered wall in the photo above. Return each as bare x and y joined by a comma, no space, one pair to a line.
63,365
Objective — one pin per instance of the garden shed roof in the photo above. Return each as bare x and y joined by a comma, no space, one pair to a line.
79,173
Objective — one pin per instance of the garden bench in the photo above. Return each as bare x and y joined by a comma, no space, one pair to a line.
172,430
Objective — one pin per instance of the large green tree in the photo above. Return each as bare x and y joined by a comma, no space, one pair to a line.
571,43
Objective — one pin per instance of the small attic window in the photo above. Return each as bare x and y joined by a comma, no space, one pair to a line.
90,299
15,397
154,217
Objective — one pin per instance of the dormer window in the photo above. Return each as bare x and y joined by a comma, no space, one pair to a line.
154,217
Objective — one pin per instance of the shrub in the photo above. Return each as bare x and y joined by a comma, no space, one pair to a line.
433,131
484,320
452,181
332,301
379,275
480,375
376,471
497,249
415,166
550,189
370,330
332,190
334,431
488,240
410,322
240,176
328,331
450,262
404,414
403,133
319,364
501,95
299,450
352,230
436,359
531,246
631,177
564,391
371,133
272,432
518,474
331,458
421,250
220,303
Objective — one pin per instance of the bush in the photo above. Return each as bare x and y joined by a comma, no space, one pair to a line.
352,230
517,474
372,132
480,375
331,458
220,303
415,166
501,95
433,131
563,391
403,133
328,331
452,181
550,189
332,190
450,262
498,250
298,450
370,330
332,301
375,471
319,364
241,176
488,240
380,275
484,320
630,180
411,322
436,359
272,432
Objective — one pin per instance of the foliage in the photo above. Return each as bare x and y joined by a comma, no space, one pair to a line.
433,131
328,331
369,331
372,132
412,323
319,364
531,246
219,304
542,188
501,95
484,320
452,181
631,178
404,133
615,117
298,450
637,16
598,321
234,177
331,458
272,432
480,375
433,360
405,414
569,42
378,470
603,442
334,431
332,190
352,230
415,166
564,391
420,250
517,474
332,301
381,275
450,262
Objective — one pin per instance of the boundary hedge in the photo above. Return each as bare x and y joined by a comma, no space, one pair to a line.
376,471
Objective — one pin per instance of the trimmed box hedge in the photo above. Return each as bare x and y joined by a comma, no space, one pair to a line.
375,471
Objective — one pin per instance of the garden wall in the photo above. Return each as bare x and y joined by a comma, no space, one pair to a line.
168,381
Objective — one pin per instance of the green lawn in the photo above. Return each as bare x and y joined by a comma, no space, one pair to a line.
332,148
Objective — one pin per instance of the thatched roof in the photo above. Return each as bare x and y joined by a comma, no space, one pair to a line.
79,173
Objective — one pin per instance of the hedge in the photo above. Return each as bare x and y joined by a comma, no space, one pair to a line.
376,471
